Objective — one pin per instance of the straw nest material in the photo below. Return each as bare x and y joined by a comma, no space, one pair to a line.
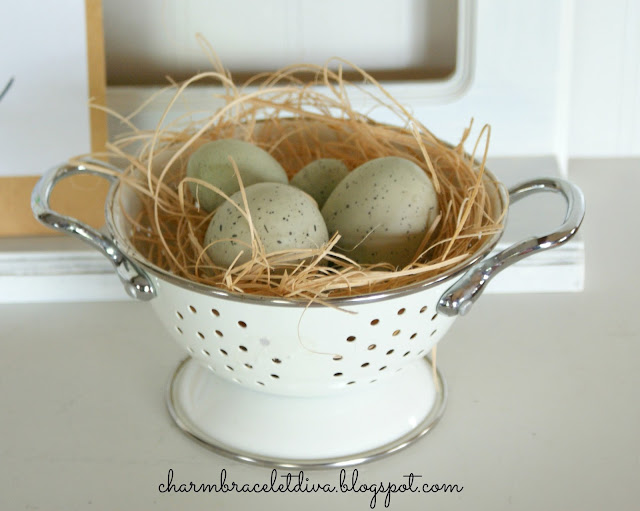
298,114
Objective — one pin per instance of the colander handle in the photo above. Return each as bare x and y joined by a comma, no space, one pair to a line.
136,283
460,297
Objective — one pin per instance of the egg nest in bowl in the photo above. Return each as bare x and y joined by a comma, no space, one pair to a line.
406,207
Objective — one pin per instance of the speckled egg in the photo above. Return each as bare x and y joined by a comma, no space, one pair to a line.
284,218
211,164
320,177
382,210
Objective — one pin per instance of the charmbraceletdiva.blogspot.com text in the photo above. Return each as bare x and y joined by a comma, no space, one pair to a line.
379,492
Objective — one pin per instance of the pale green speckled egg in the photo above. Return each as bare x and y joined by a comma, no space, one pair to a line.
211,164
284,218
320,177
391,200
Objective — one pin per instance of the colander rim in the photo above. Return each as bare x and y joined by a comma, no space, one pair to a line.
123,244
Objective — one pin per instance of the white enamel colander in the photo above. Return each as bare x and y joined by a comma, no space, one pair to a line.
282,383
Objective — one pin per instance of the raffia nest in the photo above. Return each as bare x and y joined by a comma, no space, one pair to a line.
297,120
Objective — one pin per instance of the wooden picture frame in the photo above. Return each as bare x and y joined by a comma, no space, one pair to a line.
79,196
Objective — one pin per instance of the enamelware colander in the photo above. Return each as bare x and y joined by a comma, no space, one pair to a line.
284,383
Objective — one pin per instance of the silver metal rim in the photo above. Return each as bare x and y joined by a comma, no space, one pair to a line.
420,430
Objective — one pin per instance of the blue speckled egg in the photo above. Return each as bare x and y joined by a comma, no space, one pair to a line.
382,210
283,216
210,162
320,177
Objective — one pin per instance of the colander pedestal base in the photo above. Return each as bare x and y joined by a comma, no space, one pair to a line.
346,428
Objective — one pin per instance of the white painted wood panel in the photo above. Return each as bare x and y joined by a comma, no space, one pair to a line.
605,79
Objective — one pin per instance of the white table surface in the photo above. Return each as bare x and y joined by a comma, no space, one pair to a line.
543,408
